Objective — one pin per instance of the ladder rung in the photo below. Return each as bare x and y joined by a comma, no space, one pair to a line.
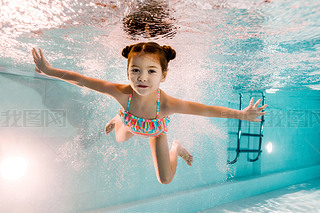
244,150
249,150
254,135
232,133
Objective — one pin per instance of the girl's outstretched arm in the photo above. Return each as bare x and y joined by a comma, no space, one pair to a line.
44,67
250,113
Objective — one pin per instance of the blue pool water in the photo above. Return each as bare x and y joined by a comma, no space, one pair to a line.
223,48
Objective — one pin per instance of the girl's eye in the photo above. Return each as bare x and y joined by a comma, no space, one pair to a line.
152,71
135,70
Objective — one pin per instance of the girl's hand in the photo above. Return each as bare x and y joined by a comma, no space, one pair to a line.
42,65
251,113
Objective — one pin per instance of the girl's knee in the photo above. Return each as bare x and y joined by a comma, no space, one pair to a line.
120,139
122,136
165,180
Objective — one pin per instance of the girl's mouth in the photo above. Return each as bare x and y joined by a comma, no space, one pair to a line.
142,86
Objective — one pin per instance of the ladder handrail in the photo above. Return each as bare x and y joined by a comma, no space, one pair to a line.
261,131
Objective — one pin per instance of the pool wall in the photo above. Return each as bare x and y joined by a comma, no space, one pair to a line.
292,126
74,167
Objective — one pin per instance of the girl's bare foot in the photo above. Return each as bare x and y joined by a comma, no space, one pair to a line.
182,152
111,124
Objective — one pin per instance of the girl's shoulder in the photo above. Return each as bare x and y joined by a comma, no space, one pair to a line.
172,105
167,103
124,91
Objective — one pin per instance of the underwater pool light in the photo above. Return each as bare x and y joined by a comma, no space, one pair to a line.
13,168
269,147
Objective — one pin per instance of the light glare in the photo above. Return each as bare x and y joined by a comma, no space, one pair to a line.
271,90
269,147
13,168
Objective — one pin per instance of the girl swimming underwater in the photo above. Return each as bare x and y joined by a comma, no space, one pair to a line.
144,107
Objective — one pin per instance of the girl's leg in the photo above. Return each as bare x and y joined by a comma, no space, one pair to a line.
121,132
165,161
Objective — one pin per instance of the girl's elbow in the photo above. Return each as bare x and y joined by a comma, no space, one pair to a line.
79,81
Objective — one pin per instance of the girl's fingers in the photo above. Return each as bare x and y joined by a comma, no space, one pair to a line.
257,103
262,113
263,107
36,53
41,54
251,102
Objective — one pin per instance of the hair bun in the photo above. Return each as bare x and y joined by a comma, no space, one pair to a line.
126,51
170,53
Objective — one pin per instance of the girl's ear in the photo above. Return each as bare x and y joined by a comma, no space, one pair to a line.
164,75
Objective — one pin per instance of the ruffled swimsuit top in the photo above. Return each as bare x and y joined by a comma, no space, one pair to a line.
144,127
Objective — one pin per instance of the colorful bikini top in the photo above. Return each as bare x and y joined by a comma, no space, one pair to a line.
144,127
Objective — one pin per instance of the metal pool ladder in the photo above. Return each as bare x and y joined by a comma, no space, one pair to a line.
240,133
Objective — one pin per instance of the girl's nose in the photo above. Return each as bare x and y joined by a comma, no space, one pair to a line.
142,77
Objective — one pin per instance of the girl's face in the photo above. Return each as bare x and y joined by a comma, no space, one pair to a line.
145,73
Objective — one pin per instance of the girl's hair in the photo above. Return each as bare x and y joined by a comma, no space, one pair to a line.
165,53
